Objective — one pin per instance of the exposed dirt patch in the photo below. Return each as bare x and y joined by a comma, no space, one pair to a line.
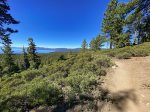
127,86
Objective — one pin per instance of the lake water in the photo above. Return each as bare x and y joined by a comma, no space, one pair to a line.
19,50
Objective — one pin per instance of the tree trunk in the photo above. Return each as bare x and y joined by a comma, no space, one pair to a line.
135,36
111,43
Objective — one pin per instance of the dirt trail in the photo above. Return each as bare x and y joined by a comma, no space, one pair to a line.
126,85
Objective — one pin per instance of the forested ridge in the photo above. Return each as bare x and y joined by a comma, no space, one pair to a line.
60,81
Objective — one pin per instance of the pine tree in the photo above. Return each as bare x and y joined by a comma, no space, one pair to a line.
143,7
109,21
139,20
100,42
93,44
5,19
84,46
124,39
8,62
115,23
34,59
26,63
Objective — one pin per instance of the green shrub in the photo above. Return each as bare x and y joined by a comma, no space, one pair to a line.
129,51
140,53
112,53
66,79
45,94
124,55
32,95
103,61
31,74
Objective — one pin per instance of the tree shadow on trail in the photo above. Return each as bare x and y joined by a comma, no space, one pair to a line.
120,99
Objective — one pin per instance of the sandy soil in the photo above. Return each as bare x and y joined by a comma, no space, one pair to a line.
126,84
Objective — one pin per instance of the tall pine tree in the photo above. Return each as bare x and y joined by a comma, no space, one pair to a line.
93,44
138,20
26,63
5,20
115,23
99,41
8,62
143,7
109,21
34,59
84,46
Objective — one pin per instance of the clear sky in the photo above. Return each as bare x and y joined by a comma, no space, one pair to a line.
57,23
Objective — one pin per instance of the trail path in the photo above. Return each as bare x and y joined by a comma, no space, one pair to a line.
126,83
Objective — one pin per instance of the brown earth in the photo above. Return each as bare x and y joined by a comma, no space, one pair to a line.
128,84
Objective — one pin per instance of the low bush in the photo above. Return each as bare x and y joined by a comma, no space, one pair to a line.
29,75
63,79
129,51
124,55
30,96
140,53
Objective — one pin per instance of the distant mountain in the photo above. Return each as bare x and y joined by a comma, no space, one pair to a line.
66,49
18,50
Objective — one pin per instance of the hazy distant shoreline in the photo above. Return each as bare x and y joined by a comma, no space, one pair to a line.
18,50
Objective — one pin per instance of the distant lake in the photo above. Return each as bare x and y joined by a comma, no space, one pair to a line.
19,50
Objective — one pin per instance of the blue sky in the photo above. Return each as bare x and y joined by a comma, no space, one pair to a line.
57,23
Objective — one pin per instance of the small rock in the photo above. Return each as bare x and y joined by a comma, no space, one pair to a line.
142,95
114,67
147,104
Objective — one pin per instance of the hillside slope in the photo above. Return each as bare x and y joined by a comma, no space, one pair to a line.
72,82
129,86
